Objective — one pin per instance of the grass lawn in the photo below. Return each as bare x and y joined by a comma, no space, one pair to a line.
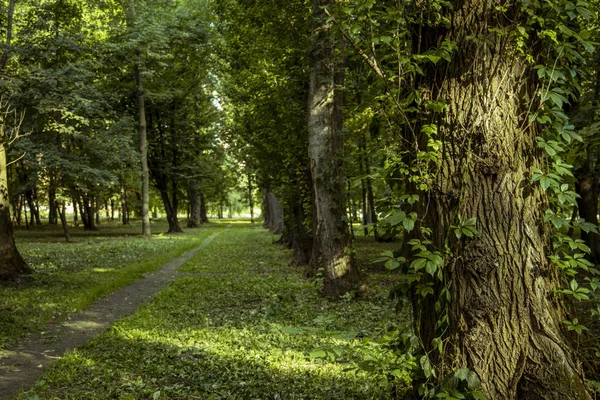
69,276
241,324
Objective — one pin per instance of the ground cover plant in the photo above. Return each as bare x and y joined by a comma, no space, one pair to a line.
240,324
67,277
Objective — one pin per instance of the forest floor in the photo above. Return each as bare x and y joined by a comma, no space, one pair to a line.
234,321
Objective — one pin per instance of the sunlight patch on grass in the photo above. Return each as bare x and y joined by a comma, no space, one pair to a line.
243,328
70,277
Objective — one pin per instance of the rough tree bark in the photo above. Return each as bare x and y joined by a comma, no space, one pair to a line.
504,318
195,219
331,249
272,213
11,262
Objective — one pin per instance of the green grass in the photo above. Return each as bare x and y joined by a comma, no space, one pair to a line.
242,324
69,276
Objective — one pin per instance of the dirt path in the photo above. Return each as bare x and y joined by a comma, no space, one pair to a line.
22,365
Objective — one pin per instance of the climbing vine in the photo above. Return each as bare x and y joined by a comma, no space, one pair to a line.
555,41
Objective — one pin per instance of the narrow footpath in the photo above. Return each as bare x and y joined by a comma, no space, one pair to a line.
23,364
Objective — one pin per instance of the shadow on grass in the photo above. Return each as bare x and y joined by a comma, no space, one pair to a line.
210,364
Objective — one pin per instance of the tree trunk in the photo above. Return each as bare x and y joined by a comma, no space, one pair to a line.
112,209
60,208
97,204
250,196
11,262
124,208
504,317
588,188
75,220
31,205
143,153
195,218
171,212
331,250
52,211
273,213
203,212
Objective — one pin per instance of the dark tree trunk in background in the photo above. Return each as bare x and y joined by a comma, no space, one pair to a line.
97,203
588,188
250,196
11,262
171,210
195,201
34,217
60,208
75,219
272,213
504,320
52,211
18,207
366,216
124,207
112,209
87,212
331,248
203,212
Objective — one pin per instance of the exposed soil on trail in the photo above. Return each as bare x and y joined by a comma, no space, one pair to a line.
22,365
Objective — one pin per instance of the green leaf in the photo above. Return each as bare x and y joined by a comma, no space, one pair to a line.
418,263
408,224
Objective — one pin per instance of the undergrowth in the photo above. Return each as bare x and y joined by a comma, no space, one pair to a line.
241,324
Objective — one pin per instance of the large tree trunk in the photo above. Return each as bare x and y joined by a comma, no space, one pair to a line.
331,249
504,317
11,262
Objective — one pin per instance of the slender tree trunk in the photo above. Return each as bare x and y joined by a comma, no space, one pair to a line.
18,206
251,198
366,217
75,219
112,209
60,208
331,250
124,208
106,210
97,207
143,153
52,211
371,200
11,262
504,320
